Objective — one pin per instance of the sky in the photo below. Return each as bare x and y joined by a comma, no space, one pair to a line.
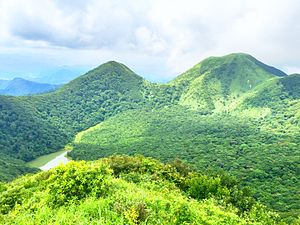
158,39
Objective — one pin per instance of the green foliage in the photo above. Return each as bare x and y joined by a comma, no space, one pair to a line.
202,187
11,168
291,85
245,120
37,125
23,130
221,83
149,201
77,180
233,143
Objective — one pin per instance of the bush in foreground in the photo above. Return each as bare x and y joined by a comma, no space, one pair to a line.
126,190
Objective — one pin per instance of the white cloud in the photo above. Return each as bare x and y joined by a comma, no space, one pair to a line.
163,37
292,70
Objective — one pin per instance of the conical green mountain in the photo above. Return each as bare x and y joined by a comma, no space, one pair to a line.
102,92
220,83
109,76
35,125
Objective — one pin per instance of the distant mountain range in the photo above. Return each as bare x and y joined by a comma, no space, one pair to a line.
3,84
48,74
20,87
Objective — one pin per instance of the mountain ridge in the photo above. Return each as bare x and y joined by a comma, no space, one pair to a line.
3,83
112,88
217,82
229,96
20,87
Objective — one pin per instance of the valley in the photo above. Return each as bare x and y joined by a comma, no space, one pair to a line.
230,114
49,161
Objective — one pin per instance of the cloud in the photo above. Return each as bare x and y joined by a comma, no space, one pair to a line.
164,37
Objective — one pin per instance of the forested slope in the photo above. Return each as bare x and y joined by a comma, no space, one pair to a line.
235,116
266,161
36,125
233,113
124,190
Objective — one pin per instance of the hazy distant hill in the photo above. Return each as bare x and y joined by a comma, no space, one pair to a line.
3,83
19,87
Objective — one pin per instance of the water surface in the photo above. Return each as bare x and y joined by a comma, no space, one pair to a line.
56,161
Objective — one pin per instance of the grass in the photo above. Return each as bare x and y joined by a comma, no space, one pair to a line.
43,160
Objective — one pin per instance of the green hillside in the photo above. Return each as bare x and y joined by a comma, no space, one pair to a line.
266,161
291,85
10,167
102,92
221,83
23,129
124,190
36,125
251,131
232,113
40,124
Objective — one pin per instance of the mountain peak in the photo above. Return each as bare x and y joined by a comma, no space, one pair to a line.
235,55
232,63
18,79
216,81
111,75
111,66
113,63
243,59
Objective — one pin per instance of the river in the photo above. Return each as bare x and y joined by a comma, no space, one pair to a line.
60,159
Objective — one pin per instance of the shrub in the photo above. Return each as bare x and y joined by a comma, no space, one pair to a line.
76,180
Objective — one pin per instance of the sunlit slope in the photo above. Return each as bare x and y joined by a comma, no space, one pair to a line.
125,190
264,159
231,112
220,83
36,125
281,97
257,140
43,123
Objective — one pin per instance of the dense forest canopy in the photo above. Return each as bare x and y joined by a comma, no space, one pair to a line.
232,113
